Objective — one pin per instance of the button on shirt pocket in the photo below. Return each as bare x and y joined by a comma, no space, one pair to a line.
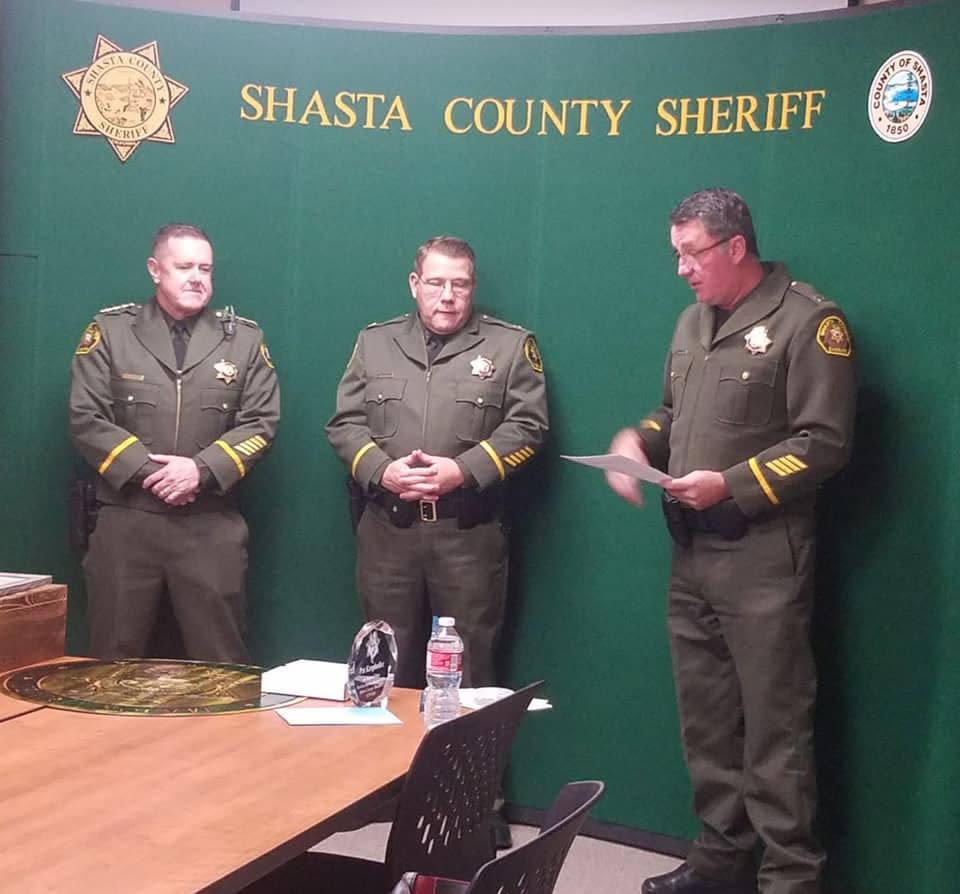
382,399
680,362
218,412
135,407
745,393
479,409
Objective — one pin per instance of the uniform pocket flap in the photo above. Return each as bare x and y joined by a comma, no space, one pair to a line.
128,392
222,399
380,390
480,394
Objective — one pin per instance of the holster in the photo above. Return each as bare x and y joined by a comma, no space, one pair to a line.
479,507
726,519
357,501
673,515
723,519
82,513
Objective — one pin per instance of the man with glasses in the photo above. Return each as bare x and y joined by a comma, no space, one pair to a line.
436,409
758,410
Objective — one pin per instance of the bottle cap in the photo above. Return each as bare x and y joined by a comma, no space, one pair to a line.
446,621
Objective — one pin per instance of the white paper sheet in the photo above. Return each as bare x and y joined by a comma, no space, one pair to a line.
613,462
313,679
338,716
485,695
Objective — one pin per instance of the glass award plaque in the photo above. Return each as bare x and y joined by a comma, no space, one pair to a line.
372,664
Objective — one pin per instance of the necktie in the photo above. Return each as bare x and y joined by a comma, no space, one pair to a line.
434,346
179,343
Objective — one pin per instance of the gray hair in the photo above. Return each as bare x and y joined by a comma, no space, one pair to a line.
723,212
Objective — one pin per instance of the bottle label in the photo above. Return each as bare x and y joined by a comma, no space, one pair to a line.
446,662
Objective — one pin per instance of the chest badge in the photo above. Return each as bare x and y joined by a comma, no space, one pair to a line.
227,371
757,340
482,367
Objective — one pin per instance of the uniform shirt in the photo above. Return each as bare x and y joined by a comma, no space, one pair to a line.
768,399
482,400
127,400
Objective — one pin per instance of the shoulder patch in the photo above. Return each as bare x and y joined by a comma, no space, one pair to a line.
265,353
486,318
833,337
808,291
532,352
119,308
89,340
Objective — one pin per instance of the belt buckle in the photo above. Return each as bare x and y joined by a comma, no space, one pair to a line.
428,510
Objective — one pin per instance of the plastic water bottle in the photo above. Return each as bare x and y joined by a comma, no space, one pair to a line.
444,669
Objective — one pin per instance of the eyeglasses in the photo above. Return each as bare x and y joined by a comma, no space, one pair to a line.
690,258
459,287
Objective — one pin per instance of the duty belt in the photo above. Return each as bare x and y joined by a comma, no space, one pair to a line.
724,519
468,506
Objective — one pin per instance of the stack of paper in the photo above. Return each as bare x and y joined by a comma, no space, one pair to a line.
11,582
313,679
338,716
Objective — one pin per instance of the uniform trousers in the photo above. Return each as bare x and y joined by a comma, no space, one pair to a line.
407,575
739,617
198,560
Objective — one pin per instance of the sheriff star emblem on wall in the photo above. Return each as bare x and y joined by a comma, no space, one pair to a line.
124,97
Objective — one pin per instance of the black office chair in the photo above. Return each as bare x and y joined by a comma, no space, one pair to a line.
531,868
443,823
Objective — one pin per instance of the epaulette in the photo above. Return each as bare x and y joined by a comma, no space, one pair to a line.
486,318
119,308
220,314
401,319
808,291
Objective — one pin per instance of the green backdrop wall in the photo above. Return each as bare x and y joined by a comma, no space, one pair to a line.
315,220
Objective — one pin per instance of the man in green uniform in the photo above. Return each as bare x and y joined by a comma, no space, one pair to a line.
435,411
171,404
757,411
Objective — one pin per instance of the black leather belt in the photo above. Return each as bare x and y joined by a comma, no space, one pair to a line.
404,512
469,507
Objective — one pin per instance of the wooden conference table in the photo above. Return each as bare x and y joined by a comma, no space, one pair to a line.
134,805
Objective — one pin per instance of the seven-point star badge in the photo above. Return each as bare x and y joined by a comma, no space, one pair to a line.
481,366
758,340
124,97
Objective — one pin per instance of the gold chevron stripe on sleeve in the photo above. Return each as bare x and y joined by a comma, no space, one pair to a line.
786,465
779,466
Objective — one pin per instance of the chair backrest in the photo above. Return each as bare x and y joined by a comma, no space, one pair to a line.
443,821
532,868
